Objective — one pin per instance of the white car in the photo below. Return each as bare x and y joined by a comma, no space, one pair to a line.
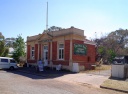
8,63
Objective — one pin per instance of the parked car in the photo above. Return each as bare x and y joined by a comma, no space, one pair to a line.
8,63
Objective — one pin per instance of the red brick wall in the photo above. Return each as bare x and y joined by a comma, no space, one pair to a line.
67,50
28,55
88,59
36,51
49,50
66,53
42,51
91,53
62,62
39,51
54,50
32,61
28,51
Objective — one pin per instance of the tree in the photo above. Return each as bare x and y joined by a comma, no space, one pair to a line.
114,44
19,48
1,36
54,28
6,51
111,54
9,42
3,50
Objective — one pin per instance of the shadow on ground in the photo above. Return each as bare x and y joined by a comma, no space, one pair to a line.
31,72
119,79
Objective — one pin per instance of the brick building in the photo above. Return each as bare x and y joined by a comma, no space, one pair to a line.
65,47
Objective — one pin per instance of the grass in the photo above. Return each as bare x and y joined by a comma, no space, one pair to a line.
116,84
103,67
97,68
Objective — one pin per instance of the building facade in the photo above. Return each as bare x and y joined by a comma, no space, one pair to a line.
65,47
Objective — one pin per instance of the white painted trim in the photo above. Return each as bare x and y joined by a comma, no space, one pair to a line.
62,42
89,43
31,53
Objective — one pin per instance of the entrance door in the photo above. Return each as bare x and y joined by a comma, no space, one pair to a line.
45,55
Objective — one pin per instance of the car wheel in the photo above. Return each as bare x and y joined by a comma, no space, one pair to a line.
11,68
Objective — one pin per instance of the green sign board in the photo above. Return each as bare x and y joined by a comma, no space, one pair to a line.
80,49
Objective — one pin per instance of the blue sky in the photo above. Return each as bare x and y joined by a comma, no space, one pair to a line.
28,17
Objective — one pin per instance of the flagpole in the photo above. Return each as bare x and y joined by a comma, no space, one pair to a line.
47,18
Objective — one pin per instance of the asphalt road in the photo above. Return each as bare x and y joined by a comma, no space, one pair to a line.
22,83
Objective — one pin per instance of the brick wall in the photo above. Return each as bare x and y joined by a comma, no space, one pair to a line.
49,50
67,50
39,51
62,62
54,50
36,51
91,52
88,59
32,61
66,53
28,52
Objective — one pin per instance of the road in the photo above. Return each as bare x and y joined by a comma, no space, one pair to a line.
22,83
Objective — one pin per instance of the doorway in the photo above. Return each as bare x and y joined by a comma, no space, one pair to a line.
45,55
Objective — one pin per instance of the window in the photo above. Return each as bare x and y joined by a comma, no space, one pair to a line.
45,47
61,51
12,61
4,60
32,52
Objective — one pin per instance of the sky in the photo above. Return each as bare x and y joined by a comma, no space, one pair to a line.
96,17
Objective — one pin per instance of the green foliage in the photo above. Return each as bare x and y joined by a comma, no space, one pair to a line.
1,37
111,54
19,48
10,42
6,51
3,50
54,28
101,50
113,44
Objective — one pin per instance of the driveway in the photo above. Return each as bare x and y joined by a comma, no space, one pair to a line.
89,79
23,83
81,78
84,79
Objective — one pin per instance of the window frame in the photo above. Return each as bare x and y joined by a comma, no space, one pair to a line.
61,51
45,51
32,53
